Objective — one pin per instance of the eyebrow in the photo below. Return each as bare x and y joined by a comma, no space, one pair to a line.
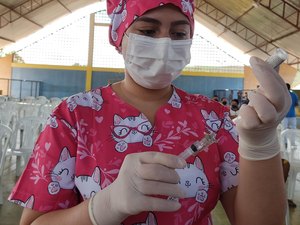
148,20
157,22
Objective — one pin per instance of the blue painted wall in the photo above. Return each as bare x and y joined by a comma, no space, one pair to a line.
104,78
62,83
54,83
206,85
193,84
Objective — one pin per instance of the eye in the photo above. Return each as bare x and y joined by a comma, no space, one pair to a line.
62,170
147,32
199,179
178,35
121,131
144,127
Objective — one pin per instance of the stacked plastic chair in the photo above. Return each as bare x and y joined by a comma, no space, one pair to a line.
5,134
290,150
23,139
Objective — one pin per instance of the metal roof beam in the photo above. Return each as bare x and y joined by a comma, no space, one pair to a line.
284,10
6,39
31,21
63,5
233,25
21,10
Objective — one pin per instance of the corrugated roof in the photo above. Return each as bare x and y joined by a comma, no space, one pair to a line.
20,18
257,27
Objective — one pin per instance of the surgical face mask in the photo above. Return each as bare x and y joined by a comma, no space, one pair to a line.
155,62
234,108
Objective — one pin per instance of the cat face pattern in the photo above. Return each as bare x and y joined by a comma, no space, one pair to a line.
193,181
92,99
187,6
175,100
151,220
27,204
212,120
214,123
62,175
229,169
51,121
228,125
118,16
131,130
89,185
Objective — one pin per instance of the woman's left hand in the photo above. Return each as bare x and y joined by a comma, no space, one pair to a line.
257,122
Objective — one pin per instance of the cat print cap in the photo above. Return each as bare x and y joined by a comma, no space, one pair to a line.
123,12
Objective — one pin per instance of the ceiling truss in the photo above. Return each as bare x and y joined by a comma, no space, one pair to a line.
21,11
250,36
283,9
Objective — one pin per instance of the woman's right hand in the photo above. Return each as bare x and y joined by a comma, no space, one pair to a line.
142,178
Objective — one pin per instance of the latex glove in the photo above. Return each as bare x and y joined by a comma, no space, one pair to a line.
142,176
257,122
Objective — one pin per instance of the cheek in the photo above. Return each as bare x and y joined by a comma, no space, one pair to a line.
123,47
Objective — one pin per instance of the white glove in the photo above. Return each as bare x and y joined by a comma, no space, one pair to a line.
142,177
257,122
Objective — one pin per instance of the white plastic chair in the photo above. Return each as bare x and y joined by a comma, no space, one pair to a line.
29,99
45,110
5,134
28,109
9,114
23,139
55,101
3,98
41,100
290,147
7,118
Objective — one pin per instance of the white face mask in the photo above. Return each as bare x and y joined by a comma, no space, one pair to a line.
155,62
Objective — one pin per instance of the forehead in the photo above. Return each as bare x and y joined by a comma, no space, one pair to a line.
165,13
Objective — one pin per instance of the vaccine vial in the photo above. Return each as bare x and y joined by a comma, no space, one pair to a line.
277,58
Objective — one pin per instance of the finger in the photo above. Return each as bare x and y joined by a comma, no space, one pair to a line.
255,60
287,103
146,187
157,172
272,84
168,160
264,109
158,204
247,118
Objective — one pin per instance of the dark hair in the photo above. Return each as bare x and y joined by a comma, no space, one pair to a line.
288,86
236,100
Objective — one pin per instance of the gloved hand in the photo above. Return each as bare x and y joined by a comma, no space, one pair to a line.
257,122
142,176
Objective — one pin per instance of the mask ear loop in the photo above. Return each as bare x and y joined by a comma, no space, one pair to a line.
119,49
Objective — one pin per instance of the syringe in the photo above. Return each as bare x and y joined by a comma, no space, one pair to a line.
199,146
277,58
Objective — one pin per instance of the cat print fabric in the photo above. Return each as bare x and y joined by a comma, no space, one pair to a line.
27,204
131,130
229,170
193,181
91,99
62,175
89,185
81,150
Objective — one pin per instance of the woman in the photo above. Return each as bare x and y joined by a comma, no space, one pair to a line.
109,156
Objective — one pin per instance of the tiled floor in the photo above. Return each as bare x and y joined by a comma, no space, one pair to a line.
10,213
